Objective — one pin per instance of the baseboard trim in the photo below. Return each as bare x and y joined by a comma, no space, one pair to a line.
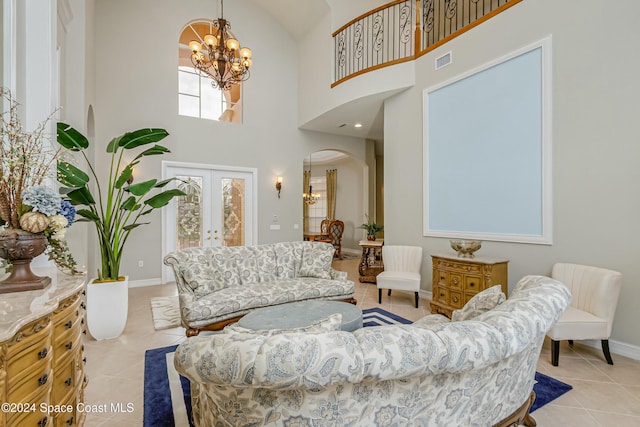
425,294
617,347
144,282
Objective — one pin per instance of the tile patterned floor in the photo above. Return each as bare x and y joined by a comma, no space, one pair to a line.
602,395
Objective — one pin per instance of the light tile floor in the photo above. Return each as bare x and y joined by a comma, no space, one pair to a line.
602,395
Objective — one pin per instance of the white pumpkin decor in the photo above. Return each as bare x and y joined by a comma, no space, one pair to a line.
34,222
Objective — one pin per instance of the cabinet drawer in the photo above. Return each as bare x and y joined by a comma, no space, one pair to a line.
69,416
37,382
36,418
472,284
459,267
456,299
33,333
440,277
34,358
64,381
442,295
67,346
67,318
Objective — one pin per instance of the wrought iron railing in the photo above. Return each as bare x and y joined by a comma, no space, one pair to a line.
404,30
381,37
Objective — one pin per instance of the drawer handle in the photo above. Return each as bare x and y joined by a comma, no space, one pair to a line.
43,353
83,305
70,420
442,295
68,382
455,298
69,345
82,348
471,284
442,278
84,359
43,379
84,331
69,324
43,422
77,313
82,322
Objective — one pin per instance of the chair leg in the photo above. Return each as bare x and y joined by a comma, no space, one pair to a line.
379,296
417,298
389,293
605,350
555,352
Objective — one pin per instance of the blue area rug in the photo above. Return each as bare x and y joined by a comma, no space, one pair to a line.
167,395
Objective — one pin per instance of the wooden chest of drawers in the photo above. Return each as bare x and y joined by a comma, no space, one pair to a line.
42,355
456,280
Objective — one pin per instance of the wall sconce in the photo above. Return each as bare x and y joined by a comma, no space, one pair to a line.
279,185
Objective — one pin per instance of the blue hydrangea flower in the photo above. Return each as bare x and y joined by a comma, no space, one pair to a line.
68,211
42,199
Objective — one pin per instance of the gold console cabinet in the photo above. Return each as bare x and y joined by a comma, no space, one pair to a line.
42,377
456,280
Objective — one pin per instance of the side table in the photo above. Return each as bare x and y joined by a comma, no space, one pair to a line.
456,280
371,262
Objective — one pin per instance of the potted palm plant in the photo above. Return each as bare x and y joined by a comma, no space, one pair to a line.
371,227
117,208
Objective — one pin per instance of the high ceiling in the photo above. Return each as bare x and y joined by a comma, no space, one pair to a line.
297,17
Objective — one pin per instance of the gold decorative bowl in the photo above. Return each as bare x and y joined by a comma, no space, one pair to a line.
465,248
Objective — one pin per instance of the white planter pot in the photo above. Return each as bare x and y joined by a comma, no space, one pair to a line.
107,307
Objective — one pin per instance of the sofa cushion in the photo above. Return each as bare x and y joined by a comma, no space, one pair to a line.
316,261
200,278
246,264
223,260
330,323
288,258
231,302
480,303
266,262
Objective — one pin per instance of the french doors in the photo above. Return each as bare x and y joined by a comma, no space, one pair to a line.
219,208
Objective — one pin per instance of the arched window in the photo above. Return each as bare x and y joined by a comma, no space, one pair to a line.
197,97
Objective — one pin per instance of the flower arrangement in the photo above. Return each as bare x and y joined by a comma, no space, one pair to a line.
45,211
27,162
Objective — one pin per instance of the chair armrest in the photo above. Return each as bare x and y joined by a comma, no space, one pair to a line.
171,261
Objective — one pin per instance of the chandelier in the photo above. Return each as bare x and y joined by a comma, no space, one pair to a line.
220,56
310,197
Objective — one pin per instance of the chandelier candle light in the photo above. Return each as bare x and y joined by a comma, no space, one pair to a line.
310,197
220,56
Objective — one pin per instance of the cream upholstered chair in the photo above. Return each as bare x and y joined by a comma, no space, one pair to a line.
594,297
401,270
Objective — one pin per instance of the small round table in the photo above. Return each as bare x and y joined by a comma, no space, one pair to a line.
300,314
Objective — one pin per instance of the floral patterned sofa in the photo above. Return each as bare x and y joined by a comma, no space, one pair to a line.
219,285
436,372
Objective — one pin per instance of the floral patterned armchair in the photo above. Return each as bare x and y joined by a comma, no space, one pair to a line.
477,372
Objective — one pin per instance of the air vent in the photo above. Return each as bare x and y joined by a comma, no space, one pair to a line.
444,60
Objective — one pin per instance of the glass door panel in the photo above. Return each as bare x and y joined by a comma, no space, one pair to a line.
189,213
233,215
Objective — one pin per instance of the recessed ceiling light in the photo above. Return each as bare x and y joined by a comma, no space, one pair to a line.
357,125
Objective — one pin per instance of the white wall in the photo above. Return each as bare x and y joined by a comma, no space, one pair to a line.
350,196
136,63
595,142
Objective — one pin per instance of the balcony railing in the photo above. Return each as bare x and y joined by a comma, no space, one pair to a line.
404,30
